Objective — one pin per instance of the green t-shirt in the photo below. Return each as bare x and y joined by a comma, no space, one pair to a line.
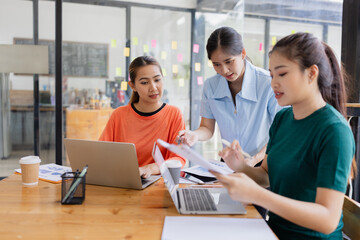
306,154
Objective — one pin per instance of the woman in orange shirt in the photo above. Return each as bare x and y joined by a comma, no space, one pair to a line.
146,118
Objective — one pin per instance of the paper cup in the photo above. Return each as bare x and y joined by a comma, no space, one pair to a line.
30,170
174,167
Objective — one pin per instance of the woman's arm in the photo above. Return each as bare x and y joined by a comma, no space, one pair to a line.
203,133
257,157
148,170
322,216
235,160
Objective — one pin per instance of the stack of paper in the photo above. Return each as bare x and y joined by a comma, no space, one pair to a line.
50,172
215,228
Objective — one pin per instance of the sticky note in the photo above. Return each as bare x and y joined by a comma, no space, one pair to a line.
124,85
181,82
153,43
175,68
126,52
163,55
260,47
210,63
200,80
293,31
197,67
196,48
174,45
164,72
180,57
113,43
146,48
273,41
118,71
135,41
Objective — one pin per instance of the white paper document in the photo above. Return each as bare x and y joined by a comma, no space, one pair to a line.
194,228
201,171
194,157
50,172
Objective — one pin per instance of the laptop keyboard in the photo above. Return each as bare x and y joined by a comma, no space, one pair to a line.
198,199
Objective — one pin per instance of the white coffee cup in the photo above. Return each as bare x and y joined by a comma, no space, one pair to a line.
174,167
30,170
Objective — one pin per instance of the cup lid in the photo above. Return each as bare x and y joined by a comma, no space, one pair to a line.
29,160
173,163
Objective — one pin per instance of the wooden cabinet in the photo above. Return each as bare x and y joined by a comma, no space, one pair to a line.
86,123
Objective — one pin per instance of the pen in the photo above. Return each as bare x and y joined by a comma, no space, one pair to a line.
228,144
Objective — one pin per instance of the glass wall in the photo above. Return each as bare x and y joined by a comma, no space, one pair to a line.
170,43
93,67
16,91
95,57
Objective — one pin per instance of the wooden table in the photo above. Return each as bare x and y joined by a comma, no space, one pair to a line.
107,213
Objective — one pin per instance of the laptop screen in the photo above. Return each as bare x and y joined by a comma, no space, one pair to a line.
165,173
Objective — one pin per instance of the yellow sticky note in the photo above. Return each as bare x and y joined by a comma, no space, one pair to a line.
126,52
164,72
273,41
293,31
146,48
181,82
118,71
163,55
210,63
197,67
135,41
174,45
113,43
175,68
124,85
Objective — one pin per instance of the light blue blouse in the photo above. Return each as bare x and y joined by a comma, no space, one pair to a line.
249,121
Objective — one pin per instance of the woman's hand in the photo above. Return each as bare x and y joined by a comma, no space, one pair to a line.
233,156
148,170
240,187
187,137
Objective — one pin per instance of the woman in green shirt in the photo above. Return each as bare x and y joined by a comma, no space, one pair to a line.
310,149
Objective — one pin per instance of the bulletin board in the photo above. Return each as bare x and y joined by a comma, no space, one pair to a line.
80,59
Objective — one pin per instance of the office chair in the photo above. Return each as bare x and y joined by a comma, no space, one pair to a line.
351,219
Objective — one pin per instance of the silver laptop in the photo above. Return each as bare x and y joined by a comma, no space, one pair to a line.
112,164
197,200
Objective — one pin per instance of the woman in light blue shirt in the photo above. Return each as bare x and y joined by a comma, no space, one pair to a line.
239,98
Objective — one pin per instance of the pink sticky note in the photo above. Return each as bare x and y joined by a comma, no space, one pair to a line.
200,80
153,43
196,48
180,57
260,46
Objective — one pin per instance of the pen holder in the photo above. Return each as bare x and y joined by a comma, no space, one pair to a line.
71,181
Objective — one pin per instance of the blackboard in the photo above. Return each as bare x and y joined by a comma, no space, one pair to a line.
79,59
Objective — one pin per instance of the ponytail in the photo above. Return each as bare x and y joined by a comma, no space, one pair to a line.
338,96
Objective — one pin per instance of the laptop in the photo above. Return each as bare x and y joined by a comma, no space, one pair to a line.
112,164
197,200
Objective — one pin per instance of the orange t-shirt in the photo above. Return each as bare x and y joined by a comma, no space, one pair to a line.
125,125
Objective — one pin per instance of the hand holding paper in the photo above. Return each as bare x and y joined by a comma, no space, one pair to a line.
193,156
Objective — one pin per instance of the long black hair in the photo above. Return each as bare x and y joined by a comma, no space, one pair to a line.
307,50
228,39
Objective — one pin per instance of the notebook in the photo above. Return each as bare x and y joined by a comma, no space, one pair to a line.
112,164
197,200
